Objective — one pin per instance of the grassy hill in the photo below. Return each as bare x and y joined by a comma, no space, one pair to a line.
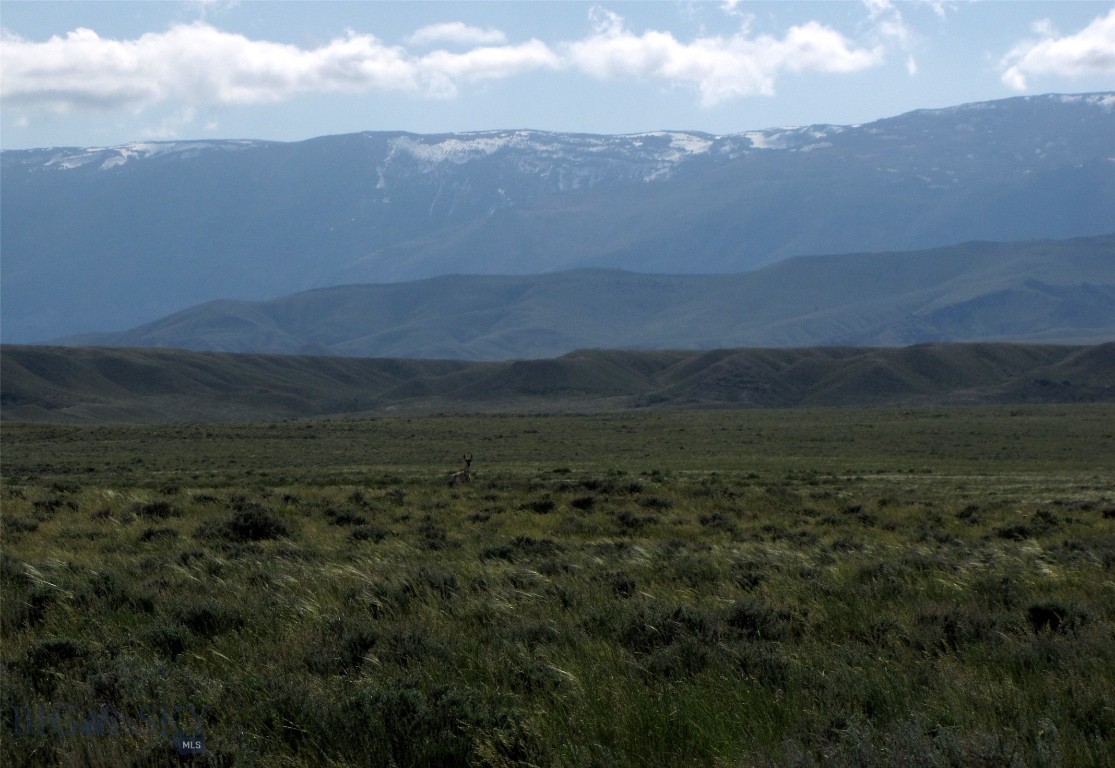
90,385
1047,291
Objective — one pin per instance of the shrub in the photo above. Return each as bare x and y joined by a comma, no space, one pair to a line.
542,506
679,660
344,517
1055,617
156,510
156,534
46,657
748,575
1000,591
654,628
763,663
952,628
622,585
368,533
432,536
970,514
114,593
49,506
16,525
210,619
537,547
168,638
718,521
756,620
440,580
54,651
1014,532
250,523
32,610
499,552
583,503
629,522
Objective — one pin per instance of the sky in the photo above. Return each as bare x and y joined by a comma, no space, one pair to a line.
103,73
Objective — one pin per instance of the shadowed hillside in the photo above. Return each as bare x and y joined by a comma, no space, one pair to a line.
120,385
1041,292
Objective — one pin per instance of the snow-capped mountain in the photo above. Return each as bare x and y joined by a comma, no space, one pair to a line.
105,238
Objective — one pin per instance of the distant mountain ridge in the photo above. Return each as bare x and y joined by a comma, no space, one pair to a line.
1046,291
95,385
107,238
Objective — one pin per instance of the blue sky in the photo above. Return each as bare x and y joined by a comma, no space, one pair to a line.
104,73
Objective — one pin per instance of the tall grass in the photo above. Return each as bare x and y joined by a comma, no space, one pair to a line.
838,602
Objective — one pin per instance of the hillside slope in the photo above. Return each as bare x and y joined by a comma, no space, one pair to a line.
1050,291
80,385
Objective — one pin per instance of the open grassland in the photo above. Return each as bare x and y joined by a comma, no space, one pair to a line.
860,587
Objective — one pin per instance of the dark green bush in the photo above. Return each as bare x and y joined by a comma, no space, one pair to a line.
756,620
210,618
344,517
583,503
156,510
1056,617
369,533
541,506
157,534
250,523
169,639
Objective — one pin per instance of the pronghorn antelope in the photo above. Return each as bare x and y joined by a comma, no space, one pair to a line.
465,475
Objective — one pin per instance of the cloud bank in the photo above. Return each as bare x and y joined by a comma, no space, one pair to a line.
192,67
1090,51
721,68
200,65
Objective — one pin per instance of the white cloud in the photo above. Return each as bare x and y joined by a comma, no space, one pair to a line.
1091,51
193,63
720,68
490,63
457,32
198,64
890,30
171,126
193,67
888,22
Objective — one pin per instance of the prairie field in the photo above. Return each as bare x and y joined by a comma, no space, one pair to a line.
805,587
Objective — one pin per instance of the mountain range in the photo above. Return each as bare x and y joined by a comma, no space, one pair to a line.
1045,291
106,239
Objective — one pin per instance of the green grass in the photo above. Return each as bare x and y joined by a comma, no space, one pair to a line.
838,587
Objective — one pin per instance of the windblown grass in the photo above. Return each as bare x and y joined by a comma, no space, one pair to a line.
852,587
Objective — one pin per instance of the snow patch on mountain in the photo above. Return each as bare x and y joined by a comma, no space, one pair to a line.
1105,101
112,157
569,160
574,161
456,149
